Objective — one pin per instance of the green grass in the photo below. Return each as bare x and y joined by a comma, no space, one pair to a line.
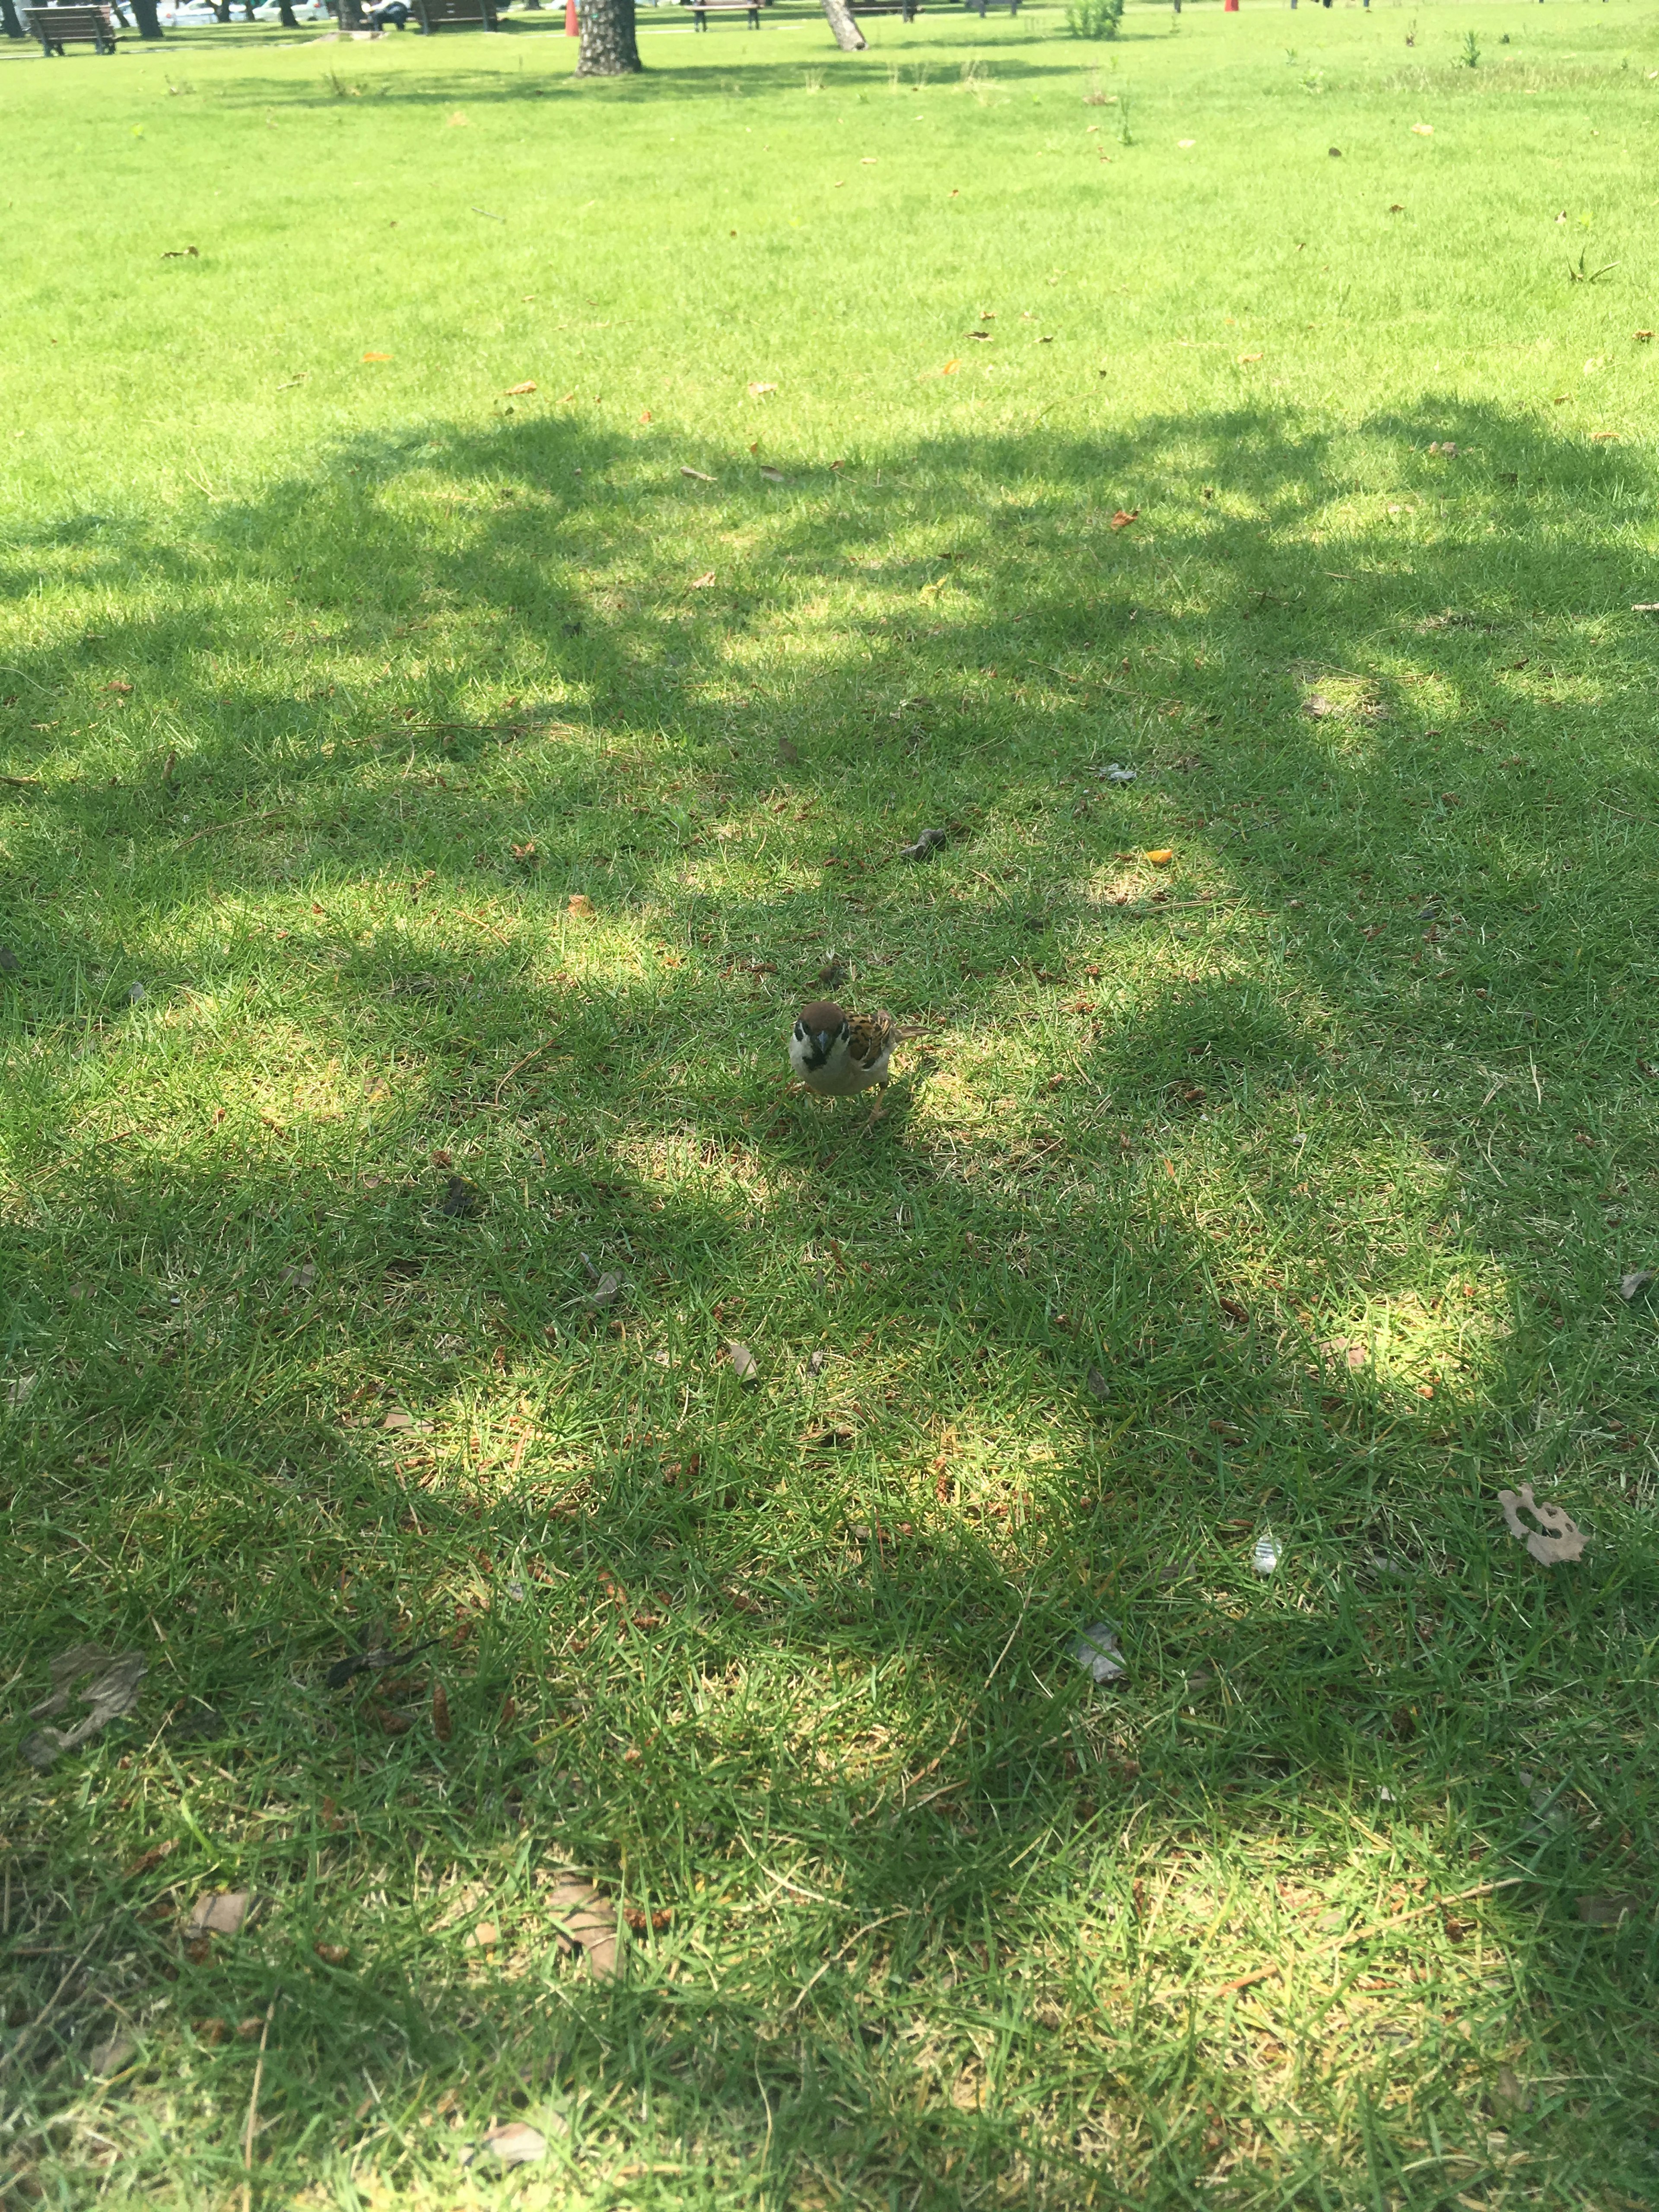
328,682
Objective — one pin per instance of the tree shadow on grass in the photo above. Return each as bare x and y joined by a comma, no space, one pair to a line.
826,1623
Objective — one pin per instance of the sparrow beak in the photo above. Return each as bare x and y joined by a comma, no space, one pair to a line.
823,1042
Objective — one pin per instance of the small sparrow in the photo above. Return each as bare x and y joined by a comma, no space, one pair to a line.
836,1052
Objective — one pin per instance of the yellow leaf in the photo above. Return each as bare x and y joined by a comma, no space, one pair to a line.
517,390
377,356
1424,130
701,583
579,904
1162,857
950,366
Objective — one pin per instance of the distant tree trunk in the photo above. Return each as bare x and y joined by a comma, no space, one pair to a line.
9,17
608,47
848,37
149,24
221,9
285,9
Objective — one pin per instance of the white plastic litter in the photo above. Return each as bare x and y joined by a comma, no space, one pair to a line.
1267,1554
1096,1649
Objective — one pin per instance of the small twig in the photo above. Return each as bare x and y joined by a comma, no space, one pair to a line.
236,822
23,782
253,2107
1366,1934
524,1063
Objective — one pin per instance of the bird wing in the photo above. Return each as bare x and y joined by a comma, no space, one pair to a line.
870,1036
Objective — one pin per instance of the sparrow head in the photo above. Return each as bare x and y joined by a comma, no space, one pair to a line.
818,1027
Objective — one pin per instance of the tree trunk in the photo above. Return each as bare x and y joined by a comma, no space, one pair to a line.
10,18
290,21
148,22
608,47
848,37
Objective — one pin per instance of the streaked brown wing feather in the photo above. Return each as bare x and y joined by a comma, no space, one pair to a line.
869,1035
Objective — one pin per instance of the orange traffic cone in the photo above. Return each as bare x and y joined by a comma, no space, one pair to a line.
571,29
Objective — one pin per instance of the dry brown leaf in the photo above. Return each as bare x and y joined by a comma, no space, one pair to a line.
442,1726
701,583
585,1922
760,390
640,1923
700,476
1125,516
517,391
112,1691
579,905
332,1954
1097,1383
147,1862
218,1912
252,2026
1555,1538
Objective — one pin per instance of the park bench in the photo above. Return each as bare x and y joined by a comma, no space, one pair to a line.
56,27
909,9
702,9
1013,6
454,14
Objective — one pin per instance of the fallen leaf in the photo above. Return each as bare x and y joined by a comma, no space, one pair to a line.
442,1726
516,2143
640,1923
300,1278
742,1362
579,906
1556,1538
1509,2090
377,356
218,1912
392,1724
1335,153
1317,704
112,1691
118,686
332,1954
775,475
485,1937
20,1390
644,414
700,475
210,2031
1161,856
786,752
1397,209
112,2054
397,1421
252,2026
1633,1285
950,366
1098,1384
760,390
815,1363
585,1921
183,253
1424,130
1245,357
927,844
147,1862
1096,1649
1234,1312
701,583
1125,516
1606,1911
818,1440
1603,437
517,391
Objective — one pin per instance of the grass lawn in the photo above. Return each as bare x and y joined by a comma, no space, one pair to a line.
425,806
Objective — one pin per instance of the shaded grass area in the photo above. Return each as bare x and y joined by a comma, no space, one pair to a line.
1323,1147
